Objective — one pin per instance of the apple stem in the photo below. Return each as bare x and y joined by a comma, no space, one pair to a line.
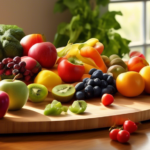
18,76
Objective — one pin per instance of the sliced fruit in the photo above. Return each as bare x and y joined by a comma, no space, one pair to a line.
37,92
78,106
63,92
55,108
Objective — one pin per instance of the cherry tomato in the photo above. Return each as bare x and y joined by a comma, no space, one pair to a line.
113,134
107,99
29,40
99,47
70,70
130,126
123,136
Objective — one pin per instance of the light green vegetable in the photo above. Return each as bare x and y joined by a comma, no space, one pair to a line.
86,24
10,36
55,108
78,106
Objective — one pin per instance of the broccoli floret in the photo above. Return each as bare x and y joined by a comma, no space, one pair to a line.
10,36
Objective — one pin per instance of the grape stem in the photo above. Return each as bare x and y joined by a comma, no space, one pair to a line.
18,76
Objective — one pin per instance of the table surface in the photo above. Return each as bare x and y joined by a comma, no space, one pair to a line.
81,140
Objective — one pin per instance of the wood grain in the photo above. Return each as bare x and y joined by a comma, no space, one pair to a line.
30,118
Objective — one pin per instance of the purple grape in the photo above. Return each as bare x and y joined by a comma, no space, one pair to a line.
10,64
17,59
16,66
9,60
5,61
27,72
15,71
8,72
27,78
1,71
1,65
22,69
35,70
22,64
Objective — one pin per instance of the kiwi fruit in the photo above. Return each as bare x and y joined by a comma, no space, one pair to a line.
63,92
37,92
106,60
115,70
120,62
113,56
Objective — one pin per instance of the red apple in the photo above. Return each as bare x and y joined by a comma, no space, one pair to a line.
136,53
45,53
29,40
4,103
136,63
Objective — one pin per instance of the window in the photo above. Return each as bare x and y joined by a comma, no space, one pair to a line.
135,23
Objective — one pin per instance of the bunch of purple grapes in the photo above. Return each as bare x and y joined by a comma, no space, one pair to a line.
14,66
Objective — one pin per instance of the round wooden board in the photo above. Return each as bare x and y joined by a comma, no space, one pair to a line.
30,118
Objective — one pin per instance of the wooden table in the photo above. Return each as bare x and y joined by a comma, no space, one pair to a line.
82,140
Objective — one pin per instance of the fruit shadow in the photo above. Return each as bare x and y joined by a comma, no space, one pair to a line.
24,113
122,100
54,136
132,142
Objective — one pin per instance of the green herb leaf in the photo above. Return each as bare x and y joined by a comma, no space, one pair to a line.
109,21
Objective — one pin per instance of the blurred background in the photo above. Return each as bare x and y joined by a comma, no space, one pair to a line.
39,17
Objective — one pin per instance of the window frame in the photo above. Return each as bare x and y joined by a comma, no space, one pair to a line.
145,43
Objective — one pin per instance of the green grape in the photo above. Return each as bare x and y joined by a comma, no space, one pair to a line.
78,106
55,108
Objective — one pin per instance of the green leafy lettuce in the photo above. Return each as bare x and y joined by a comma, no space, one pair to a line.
86,23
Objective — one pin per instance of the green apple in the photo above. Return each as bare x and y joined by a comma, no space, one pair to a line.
17,91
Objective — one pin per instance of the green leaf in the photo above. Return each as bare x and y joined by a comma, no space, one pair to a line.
71,4
102,2
75,28
109,21
59,6
60,40
124,49
86,24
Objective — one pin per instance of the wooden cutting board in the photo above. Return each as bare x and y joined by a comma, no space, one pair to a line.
31,119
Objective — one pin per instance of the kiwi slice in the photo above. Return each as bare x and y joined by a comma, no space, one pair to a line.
63,92
37,92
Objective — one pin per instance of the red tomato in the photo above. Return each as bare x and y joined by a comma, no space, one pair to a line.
123,136
45,53
113,134
107,99
130,126
29,40
99,47
70,72
4,103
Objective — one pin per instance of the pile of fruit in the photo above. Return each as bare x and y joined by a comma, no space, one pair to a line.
78,71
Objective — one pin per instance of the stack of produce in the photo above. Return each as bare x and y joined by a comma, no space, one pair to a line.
76,72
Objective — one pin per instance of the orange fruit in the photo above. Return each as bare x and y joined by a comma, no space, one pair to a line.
130,84
145,73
